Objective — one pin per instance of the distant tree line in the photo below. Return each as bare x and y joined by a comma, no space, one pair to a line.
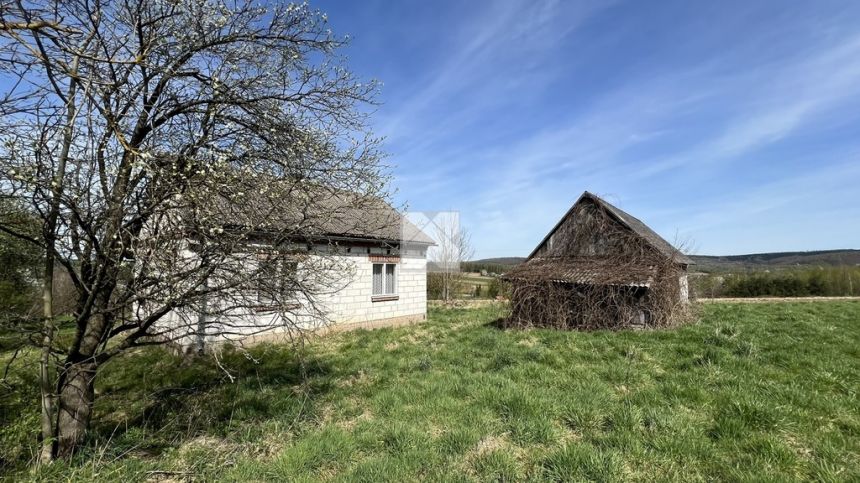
807,282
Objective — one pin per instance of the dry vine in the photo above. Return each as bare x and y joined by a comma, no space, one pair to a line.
596,273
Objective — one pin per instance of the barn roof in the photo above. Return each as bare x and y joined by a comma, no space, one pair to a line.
627,220
584,271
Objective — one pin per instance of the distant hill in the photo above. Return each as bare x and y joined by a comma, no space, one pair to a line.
725,263
754,261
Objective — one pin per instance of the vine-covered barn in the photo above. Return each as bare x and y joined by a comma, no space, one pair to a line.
599,267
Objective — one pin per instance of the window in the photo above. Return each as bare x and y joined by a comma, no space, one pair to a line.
389,278
275,280
384,278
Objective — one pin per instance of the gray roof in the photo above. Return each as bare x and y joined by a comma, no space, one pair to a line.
370,218
629,221
324,213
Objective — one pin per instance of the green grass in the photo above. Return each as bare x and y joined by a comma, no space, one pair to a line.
751,392
477,279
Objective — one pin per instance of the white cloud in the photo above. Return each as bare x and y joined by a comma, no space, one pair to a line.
794,93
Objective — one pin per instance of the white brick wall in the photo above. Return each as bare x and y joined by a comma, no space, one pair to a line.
355,302
352,303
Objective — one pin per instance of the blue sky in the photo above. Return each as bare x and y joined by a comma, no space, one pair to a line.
732,126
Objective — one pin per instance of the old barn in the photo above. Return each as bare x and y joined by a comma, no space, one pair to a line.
600,267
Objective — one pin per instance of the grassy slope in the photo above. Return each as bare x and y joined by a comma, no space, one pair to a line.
469,282
766,390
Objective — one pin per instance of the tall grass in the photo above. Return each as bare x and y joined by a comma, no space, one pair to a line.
753,392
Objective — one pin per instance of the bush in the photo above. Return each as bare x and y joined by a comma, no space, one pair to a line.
494,288
830,281
435,286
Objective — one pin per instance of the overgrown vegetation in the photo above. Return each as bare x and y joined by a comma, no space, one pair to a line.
805,282
596,271
435,286
751,392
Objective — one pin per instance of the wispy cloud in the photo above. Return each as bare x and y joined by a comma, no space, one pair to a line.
789,96
526,104
598,149
776,212
487,62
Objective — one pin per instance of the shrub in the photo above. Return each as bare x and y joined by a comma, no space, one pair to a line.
494,288
829,281
435,286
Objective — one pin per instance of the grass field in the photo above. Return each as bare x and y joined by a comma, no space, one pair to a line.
751,392
471,281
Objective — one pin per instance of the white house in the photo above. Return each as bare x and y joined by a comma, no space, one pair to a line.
375,276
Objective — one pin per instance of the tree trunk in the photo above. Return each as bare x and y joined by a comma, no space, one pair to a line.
75,387
75,405
48,397
46,375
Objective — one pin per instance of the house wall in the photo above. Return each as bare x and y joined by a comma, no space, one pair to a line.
349,304
355,303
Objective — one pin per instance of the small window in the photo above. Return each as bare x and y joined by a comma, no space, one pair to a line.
384,278
389,278
276,281
378,280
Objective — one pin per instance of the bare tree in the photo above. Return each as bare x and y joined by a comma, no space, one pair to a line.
181,157
453,247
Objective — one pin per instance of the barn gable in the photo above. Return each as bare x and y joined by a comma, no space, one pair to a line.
599,268
559,242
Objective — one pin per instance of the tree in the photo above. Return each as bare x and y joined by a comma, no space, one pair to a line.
453,247
19,267
162,145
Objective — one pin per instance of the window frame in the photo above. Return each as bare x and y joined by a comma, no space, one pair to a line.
384,295
282,267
